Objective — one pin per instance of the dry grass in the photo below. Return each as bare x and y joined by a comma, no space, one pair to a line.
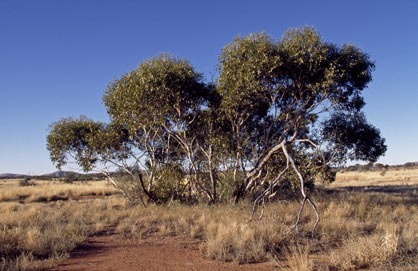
42,191
371,230
358,230
34,235
405,177
297,259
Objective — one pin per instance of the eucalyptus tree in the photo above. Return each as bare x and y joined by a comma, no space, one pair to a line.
213,142
93,146
299,96
281,112
153,106
244,64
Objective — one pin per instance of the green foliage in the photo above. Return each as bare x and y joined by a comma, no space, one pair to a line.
76,137
275,91
352,132
176,137
73,177
160,90
173,184
247,67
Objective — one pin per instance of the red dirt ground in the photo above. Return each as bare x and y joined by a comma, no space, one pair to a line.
113,252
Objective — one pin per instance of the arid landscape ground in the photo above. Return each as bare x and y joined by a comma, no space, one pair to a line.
369,221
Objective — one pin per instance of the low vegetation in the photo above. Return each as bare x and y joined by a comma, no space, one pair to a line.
33,236
44,191
359,230
398,176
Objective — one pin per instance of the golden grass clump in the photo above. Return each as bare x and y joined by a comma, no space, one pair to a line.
297,259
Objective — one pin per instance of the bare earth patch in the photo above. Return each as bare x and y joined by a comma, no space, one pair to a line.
160,253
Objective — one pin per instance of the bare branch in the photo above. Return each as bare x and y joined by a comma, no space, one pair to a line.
269,189
302,190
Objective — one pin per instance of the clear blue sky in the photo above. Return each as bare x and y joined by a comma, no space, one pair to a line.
56,58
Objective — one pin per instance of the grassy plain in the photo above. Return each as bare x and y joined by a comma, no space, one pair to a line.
45,191
393,177
360,228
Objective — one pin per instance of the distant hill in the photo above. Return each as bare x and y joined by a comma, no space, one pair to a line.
56,174
60,173
12,175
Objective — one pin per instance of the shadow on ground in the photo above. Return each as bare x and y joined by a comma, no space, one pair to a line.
388,189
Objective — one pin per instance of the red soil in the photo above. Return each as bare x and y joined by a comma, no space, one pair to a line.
114,252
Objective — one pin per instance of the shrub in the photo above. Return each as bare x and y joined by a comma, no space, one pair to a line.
25,182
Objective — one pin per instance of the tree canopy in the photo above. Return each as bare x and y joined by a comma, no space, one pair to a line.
294,104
